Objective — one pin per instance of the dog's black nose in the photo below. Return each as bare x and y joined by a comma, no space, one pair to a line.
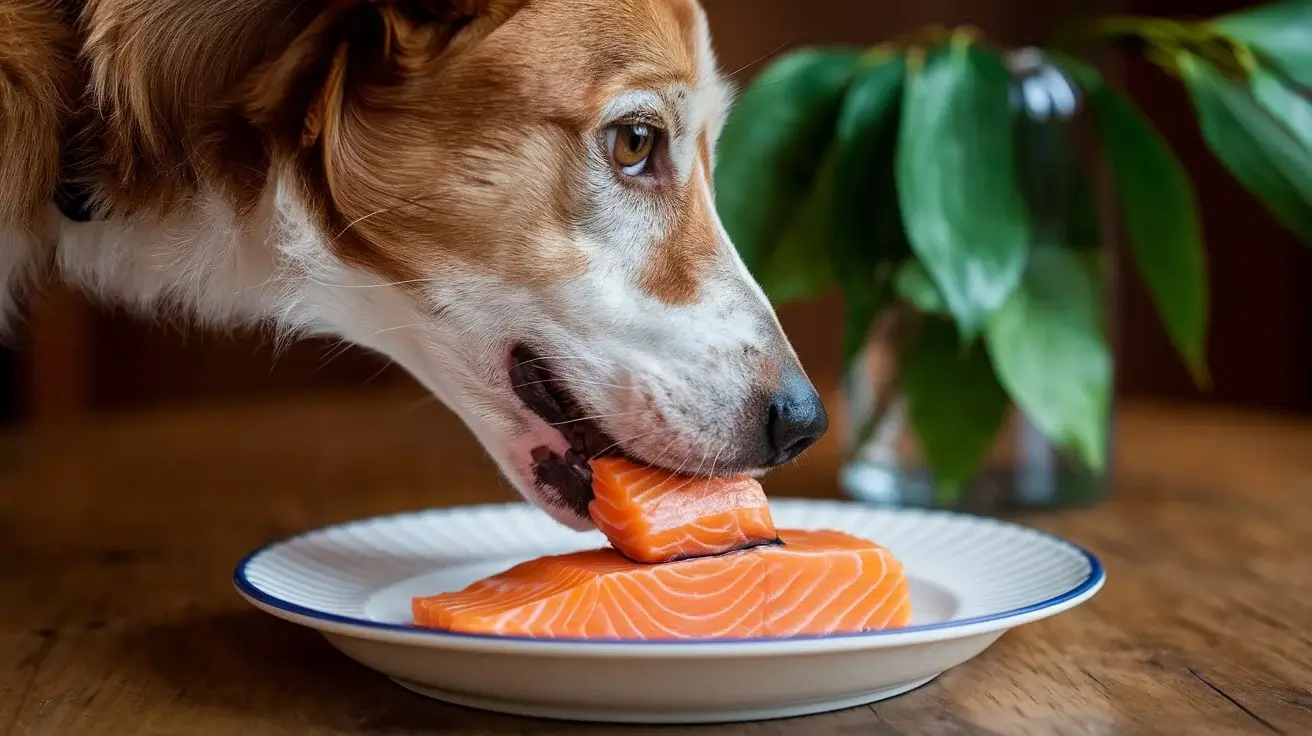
797,418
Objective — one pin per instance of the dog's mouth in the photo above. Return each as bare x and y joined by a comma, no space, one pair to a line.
547,395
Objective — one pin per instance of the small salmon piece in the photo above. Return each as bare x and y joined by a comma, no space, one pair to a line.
655,516
816,583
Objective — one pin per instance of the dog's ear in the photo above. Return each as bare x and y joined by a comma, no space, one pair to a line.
346,90
299,97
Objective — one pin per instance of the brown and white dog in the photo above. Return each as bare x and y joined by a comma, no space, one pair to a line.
512,199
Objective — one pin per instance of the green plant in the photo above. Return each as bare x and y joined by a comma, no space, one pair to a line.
891,174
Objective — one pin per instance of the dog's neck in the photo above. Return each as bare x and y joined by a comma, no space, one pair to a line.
199,258
155,208
209,263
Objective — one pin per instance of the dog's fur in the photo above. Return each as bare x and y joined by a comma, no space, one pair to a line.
430,179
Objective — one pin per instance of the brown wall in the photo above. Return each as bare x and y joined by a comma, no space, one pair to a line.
1261,348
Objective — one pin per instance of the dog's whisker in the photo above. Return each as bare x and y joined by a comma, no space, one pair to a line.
405,202
381,370
716,461
757,60
688,479
414,201
613,445
569,381
359,220
594,416
585,358
693,476
422,402
676,474
402,327
342,347
660,457
370,286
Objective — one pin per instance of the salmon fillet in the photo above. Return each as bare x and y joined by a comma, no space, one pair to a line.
817,582
655,516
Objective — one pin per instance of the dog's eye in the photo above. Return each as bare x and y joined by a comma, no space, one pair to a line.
631,146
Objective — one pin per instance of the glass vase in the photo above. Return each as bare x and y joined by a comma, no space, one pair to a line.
883,463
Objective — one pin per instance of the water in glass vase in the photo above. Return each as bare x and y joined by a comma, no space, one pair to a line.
884,463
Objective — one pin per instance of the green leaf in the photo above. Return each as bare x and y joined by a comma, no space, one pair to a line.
1160,213
912,283
954,401
797,267
1260,153
965,216
773,143
1082,72
1084,231
1050,353
1290,108
837,233
867,234
1281,32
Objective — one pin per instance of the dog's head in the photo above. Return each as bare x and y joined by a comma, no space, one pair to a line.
520,193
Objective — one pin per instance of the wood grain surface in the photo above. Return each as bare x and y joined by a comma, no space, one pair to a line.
118,537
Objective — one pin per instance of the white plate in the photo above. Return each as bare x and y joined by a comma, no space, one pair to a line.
971,580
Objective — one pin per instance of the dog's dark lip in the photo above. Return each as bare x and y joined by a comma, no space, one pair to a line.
569,475
542,391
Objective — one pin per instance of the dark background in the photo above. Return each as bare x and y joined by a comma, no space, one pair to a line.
75,358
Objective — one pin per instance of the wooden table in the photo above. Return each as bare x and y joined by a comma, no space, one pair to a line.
118,537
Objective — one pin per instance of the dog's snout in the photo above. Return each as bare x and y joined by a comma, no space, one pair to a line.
797,418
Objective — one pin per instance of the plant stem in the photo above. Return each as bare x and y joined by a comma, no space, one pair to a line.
931,35
894,333
1158,31
935,35
1160,41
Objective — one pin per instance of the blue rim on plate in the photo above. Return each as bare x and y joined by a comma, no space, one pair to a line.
1096,577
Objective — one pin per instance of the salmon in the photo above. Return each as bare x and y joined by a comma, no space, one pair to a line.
655,516
815,583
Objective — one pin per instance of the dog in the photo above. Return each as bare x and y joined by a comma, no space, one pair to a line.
511,199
